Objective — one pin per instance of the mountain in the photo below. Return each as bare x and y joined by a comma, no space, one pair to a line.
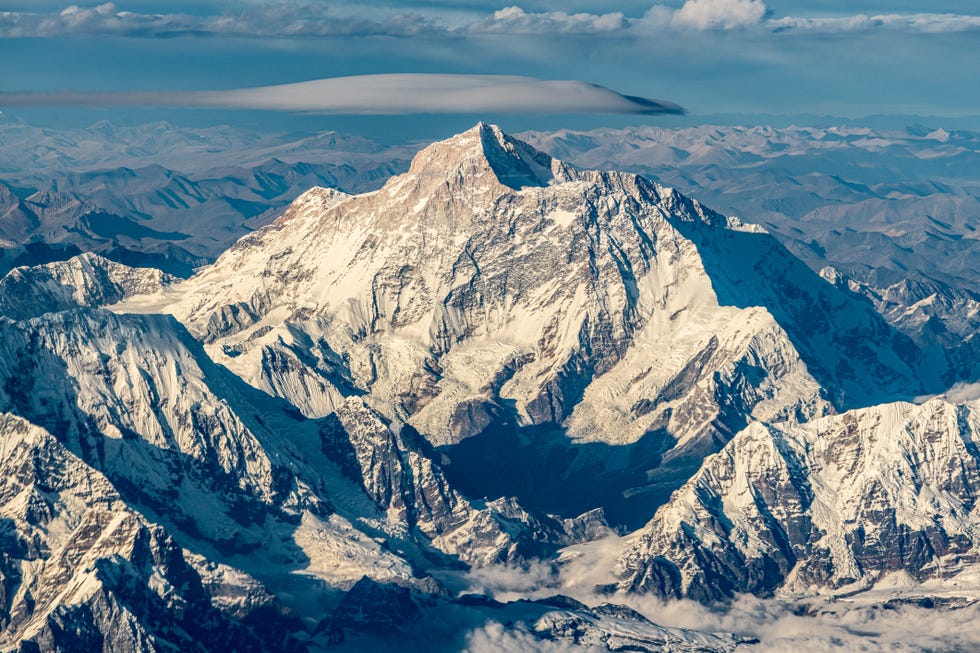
91,558
880,205
264,502
366,412
140,401
941,319
87,280
823,191
163,217
16,220
51,226
31,152
493,295
833,505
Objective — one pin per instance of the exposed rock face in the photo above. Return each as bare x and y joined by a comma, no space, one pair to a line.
16,218
942,319
83,571
820,189
238,474
136,395
372,608
401,474
396,471
835,503
227,470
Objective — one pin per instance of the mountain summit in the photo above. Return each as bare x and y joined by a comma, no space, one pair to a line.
514,163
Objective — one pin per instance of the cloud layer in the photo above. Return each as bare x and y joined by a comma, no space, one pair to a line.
290,20
382,94
720,14
514,20
860,623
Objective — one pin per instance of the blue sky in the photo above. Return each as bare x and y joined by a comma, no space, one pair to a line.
711,56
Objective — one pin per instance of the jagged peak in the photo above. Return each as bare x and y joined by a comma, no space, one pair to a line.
833,276
88,262
483,147
7,195
323,193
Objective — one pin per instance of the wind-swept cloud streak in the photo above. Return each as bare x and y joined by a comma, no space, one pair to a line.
921,23
380,95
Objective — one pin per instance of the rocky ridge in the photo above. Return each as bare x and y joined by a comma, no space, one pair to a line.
82,570
832,505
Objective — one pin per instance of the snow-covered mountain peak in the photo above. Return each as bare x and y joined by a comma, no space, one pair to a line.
84,280
317,197
599,308
486,148
338,402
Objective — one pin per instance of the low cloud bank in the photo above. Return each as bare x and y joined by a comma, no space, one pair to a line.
960,393
861,623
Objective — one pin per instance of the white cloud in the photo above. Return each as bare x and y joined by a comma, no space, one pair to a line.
495,638
382,94
816,625
960,393
274,20
963,392
720,14
514,20
915,23
827,626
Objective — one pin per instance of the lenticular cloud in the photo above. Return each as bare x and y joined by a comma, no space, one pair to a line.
382,94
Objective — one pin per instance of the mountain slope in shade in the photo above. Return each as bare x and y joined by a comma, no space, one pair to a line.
493,287
137,399
16,220
236,471
944,321
833,505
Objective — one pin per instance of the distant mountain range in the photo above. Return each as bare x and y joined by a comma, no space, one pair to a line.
112,189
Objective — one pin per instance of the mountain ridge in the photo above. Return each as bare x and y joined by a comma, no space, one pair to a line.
375,396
